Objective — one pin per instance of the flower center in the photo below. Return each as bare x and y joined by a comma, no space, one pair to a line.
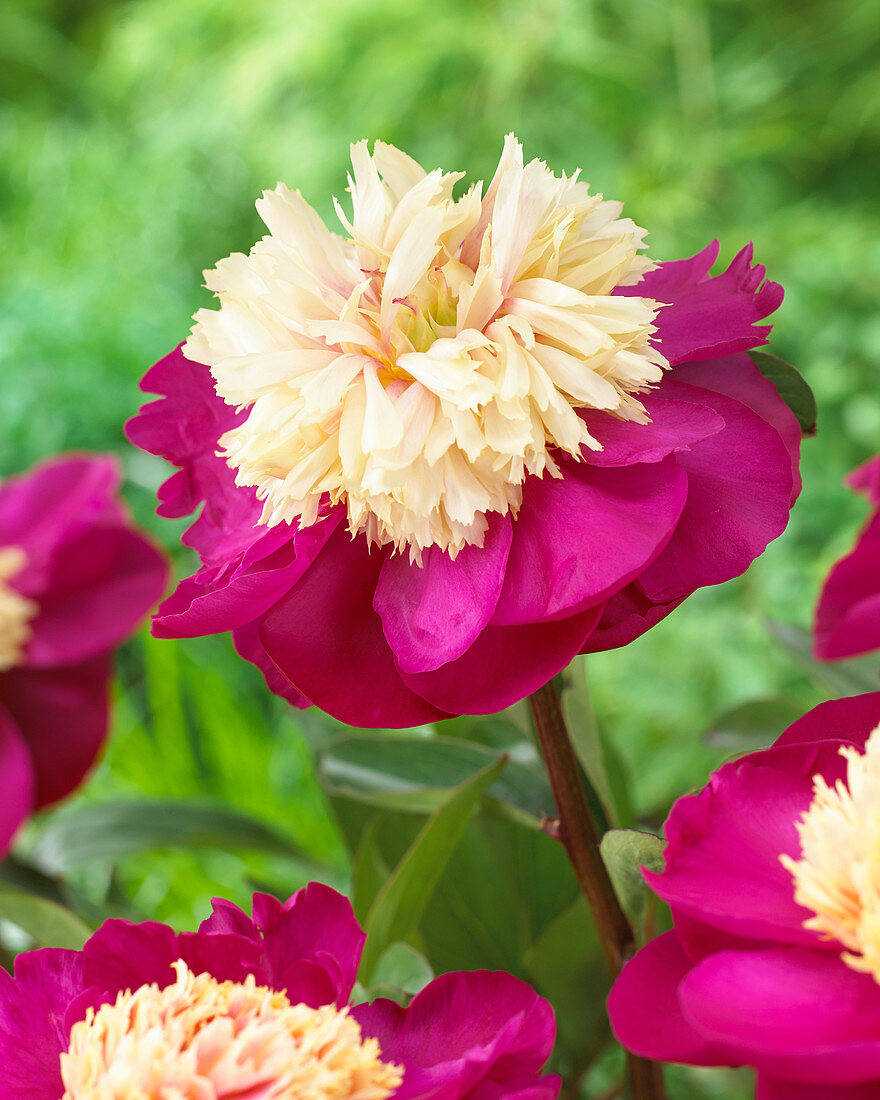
838,875
16,611
200,1038
420,368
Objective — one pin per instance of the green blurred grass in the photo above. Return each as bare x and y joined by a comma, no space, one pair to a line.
134,138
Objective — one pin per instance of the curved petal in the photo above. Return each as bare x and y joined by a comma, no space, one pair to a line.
505,664
432,613
707,316
62,715
101,583
850,720
246,640
739,496
33,1031
722,865
673,426
579,538
465,1032
645,1013
772,1088
866,479
789,1011
16,780
627,615
184,427
327,640
848,613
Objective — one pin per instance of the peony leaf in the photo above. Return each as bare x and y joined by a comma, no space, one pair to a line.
625,852
400,973
754,724
850,677
402,900
790,386
46,922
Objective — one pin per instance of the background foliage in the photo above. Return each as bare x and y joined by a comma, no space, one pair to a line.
135,136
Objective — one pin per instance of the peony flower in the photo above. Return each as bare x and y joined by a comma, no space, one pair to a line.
773,876
848,615
444,453
75,578
260,1007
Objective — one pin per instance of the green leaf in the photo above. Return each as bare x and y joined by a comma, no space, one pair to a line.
853,677
790,386
415,774
625,852
111,830
754,724
400,973
401,901
49,924
368,871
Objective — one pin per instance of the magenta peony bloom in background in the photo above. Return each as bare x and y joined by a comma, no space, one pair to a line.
773,876
445,453
260,1007
848,615
75,578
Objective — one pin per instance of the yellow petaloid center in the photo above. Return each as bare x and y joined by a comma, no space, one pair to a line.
16,611
420,368
838,875
200,1039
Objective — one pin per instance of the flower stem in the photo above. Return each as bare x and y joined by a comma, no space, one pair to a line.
579,837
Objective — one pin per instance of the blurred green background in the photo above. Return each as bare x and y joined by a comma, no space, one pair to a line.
135,136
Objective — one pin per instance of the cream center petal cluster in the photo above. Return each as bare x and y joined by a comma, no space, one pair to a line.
421,366
838,875
16,611
200,1039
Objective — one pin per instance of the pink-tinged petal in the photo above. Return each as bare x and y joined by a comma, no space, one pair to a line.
326,638
246,640
737,376
101,583
215,600
866,479
739,496
674,426
772,1088
850,720
62,715
464,1036
184,427
708,316
848,613
789,1011
16,780
45,506
722,863
432,613
34,1031
580,538
645,1012
627,615
505,664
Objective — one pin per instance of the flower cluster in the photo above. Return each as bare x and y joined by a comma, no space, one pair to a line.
260,1006
772,875
75,578
444,453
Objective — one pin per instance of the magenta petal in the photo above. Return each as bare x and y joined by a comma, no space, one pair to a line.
33,1031
722,864
789,1011
16,780
850,720
432,613
848,614
246,640
739,495
709,316
62,715
505,664
627,615
866,479
466,1035
674,426
328,641
101,584
772,1088
645,1013
579,538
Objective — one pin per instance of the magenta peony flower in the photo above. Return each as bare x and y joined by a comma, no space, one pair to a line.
75,578
260,1008
773,876
848,615
444,454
